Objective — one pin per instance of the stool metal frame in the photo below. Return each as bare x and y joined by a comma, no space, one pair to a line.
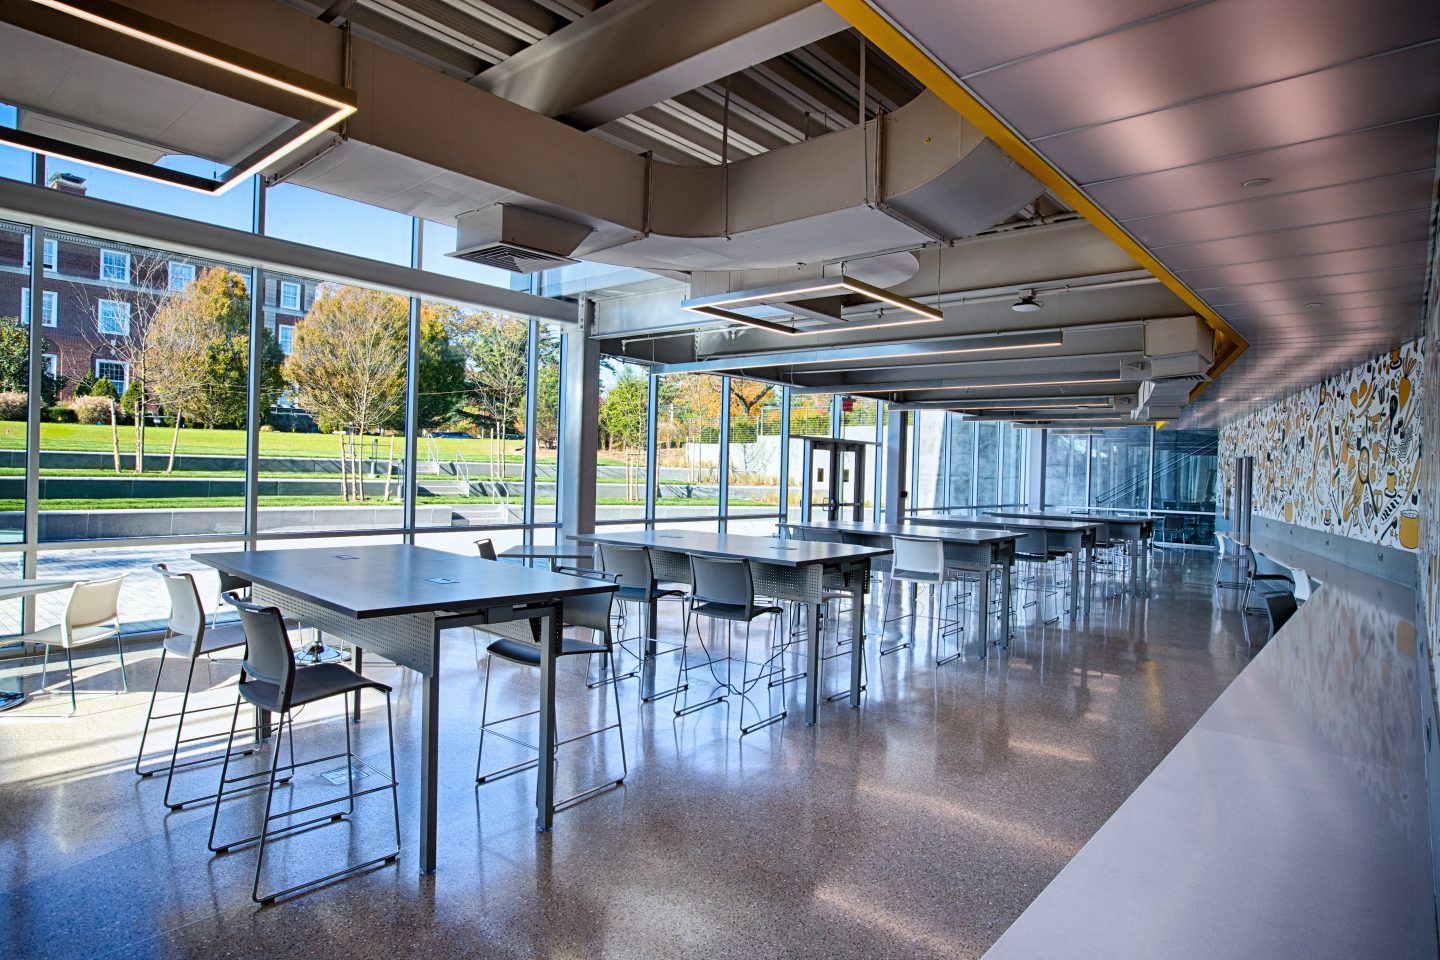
268,681
187,635
590,612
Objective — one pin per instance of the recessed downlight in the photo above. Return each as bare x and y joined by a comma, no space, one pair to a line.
1255,182
1027,302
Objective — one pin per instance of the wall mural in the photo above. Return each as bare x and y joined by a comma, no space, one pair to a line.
1342,456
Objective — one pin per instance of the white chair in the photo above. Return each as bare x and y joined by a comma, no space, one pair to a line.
91,615
921,561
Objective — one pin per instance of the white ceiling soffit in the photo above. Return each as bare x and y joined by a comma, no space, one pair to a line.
1163,110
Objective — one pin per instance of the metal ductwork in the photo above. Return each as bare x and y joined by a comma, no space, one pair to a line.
515,239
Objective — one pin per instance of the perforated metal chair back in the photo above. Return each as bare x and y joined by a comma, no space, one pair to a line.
93,603
631,567
919,555
268,655
187,614
718,580
487,549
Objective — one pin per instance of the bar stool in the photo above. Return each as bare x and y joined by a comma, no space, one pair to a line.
186,635
486,547
590,612
633,571
723,590
920,561
1031,548
269,681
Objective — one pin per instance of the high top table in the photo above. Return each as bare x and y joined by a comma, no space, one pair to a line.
977,549
795,570
1066,535
1134,529
395,599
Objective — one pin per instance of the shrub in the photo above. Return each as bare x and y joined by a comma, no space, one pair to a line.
59,415
91,409
13,405
130,399
84,385
105,389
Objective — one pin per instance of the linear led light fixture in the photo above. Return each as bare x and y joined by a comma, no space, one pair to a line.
971,343
787,294
906,388
334,103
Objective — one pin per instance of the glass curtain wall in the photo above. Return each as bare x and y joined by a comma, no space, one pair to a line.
962,464
756,416
150,410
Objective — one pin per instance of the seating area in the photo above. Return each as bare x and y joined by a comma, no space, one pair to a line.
652,478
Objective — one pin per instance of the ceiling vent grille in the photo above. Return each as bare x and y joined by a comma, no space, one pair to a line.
513,257
516,239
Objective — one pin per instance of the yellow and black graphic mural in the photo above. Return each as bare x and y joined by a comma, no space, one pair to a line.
1342,456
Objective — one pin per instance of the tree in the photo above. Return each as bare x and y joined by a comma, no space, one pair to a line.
15,362
622,411
495,349
104,388
442,389
146,289
347,361
199,356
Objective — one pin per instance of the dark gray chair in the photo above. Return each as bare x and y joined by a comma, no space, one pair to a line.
723,591
187,636
1279,608
487,549
590,612
632,570
270,682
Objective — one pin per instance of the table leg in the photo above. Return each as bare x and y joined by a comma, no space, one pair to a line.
1144,559
1005,602
651,618
857,642
545,768
429,759
1089,574
1075,583
359,665
812,665
982,605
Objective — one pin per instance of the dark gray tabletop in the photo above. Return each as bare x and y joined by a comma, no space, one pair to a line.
547,551
785,553
1007,523
390,579
970,535
1071,515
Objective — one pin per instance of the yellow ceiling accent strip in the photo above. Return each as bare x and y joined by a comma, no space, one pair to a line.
878,29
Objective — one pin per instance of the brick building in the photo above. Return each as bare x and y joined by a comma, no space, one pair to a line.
95,291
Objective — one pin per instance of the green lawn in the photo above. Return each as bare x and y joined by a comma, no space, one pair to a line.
195,503
96,438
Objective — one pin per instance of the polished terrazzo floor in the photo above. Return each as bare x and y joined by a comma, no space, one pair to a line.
921,824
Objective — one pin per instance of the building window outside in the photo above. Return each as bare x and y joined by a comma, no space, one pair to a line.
49,306
114,318
181,275
289,295
116,371
51,364
115,266
285,334
52,253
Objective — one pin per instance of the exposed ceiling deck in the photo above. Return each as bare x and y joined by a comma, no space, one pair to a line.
1278,158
